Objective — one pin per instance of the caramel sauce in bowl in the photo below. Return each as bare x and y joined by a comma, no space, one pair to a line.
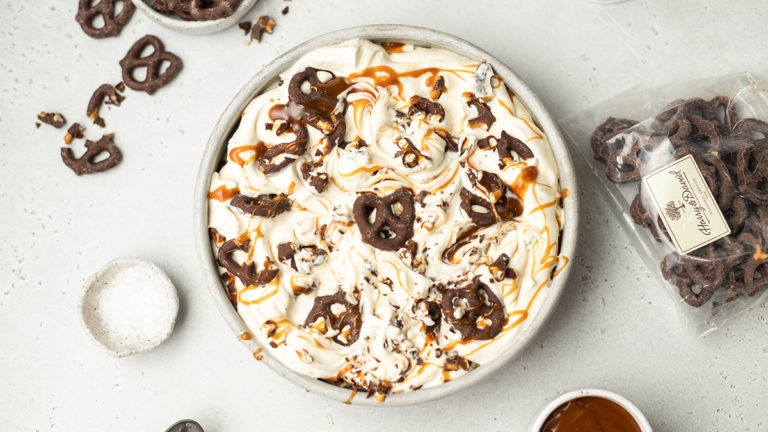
591,410
392,36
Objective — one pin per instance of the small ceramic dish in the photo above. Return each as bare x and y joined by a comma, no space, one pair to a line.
268,75
633,410
129,306
194,27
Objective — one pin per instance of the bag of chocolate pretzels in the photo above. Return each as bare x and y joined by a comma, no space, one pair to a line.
685,166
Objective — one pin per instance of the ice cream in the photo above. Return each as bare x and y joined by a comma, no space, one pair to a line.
387,216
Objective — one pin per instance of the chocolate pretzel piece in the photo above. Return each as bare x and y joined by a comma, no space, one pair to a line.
623,150
692,293
279,156
484,114
477,208
263,24
155,79
56,120
113,23
246,272
752,168
197,10
507,145
86,163
605,132
437,88
474,311
425,106
105,91
264,205
393,217
752,129
349,317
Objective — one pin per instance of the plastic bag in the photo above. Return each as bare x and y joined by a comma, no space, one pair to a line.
685,167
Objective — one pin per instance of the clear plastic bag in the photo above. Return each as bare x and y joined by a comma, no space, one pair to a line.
646,134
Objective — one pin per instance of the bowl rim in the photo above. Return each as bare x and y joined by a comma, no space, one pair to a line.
423,37
195,27
631,408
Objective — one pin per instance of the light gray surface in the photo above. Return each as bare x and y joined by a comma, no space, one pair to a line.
613,329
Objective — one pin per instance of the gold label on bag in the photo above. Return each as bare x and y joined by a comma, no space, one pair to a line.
682,199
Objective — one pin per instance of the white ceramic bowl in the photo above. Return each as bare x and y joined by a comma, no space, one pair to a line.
129,306
216,147
605,394
194,27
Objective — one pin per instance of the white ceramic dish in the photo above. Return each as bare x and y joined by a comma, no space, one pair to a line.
194,27
129,306
633,410
268,75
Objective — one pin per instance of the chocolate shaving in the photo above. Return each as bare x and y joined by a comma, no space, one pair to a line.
155,79
86,163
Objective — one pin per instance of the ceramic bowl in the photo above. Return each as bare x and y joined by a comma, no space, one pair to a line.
217,144
633,410
194,27
129,306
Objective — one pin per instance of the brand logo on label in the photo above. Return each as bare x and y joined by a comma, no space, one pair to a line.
692,200
673,210
682,200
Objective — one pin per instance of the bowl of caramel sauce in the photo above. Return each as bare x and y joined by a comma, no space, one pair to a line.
591,410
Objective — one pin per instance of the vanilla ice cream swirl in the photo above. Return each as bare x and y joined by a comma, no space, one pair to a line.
386,217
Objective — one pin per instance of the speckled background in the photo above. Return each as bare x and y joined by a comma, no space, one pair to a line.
614,328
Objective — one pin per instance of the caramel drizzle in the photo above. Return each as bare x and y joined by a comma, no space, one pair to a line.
385,76
235,155
392,47
275,283
223,193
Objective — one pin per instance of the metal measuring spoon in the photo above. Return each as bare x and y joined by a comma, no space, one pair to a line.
185,426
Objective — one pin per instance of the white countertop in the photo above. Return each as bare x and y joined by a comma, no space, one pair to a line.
614,327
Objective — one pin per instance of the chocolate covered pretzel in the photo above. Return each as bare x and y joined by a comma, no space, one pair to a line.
87,164
385,222
474,311
484,114
153,62
113,22
105,93
264,205
347,322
